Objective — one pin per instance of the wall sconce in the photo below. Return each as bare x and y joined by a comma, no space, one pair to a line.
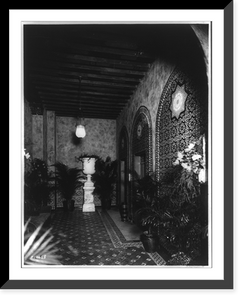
80,131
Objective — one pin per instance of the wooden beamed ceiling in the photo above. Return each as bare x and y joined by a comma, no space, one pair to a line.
83,70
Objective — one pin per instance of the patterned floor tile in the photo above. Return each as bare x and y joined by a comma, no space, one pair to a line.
94,239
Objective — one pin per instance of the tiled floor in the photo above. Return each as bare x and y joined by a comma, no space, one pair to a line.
99,238
129,230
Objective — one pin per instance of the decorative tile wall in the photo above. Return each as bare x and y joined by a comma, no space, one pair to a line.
175,134
147,94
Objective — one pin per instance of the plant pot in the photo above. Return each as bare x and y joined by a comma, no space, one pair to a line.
149,241
69,206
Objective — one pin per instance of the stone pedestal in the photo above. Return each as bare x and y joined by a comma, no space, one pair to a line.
88,205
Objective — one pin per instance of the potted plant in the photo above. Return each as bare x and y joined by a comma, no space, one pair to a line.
144,189
37,185
154,217
68,181
151,213
105,179
188,227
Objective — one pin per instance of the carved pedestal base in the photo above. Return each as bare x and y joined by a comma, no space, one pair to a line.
87,207
88,196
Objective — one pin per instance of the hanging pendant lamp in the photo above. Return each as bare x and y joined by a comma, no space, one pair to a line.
80,131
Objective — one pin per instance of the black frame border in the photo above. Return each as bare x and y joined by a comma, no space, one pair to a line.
228,281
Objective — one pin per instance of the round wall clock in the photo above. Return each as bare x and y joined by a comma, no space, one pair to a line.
178,101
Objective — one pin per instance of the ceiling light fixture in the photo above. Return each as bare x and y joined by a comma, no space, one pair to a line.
80,131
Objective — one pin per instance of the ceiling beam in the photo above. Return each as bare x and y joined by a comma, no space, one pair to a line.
91,103
95,83
46,68
84,111
84,94
38,43
83,98
72,60
74,82
88,114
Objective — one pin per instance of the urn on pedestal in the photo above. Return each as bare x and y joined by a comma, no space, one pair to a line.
88,169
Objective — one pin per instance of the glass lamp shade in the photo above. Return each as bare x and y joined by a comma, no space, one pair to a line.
80,131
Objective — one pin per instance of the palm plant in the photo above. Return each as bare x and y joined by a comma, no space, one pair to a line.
68,181
154,215
151,210
37,185
144,189
38,248
104,179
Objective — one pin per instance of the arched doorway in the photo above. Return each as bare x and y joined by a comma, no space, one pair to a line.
141,148
123,186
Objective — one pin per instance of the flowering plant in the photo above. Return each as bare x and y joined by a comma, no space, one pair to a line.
191,162
188,223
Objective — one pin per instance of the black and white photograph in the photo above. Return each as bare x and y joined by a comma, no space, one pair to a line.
121,149
116,144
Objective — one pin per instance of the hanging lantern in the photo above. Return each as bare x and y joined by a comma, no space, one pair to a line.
80,131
